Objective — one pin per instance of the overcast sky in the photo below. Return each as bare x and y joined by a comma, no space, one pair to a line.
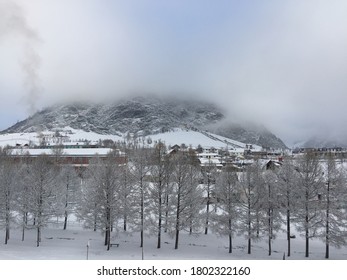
281,63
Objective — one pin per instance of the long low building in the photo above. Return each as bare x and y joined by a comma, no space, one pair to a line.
72,156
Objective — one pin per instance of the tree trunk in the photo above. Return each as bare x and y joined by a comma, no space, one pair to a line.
207,208
66,205
191,222
39,220
269,213
307,244
125,216
65,220
258,224
142,216
178,217
249,234
176,237
25,221
7,217
288,232
249,222
166,211
108,221
125,186
125,222
288,223
108,230
95,218
7,234
230,238
38,236
108,241
7,229
159,222
66,212
327,231
23,232
269,229
95,222
108,237
249,245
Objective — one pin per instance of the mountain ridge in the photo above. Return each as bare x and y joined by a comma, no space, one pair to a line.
145,116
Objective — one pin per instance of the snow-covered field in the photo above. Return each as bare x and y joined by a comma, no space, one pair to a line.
59,247
176,136
195,138
63,255
71,244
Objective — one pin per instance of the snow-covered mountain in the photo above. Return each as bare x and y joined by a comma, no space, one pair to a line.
145,116
321,142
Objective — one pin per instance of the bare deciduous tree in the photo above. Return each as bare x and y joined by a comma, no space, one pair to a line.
139,167
226,195
308,197
127,195
271,205
104,177
209,172
42,189
181,193
8,177
287,184
69,183
334,216
157,188
250,192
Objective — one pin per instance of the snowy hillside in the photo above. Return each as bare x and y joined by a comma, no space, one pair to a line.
196,138
70,135
145,116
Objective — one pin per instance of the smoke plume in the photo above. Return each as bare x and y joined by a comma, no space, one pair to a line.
14,26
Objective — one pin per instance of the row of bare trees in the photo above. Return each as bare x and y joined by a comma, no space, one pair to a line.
154,192
308,193
157,193
33,191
